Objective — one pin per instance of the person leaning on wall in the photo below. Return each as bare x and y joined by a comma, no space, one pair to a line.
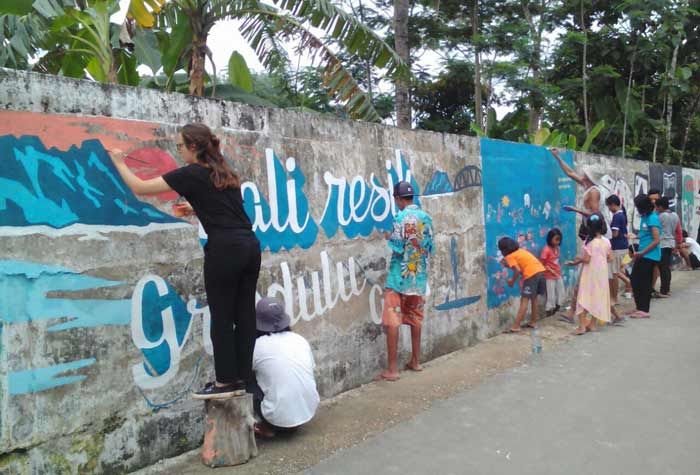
231,256
411,244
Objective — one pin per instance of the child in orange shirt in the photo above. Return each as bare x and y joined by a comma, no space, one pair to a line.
532,271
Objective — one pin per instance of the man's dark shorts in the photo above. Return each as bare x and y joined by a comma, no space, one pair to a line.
694,261
534,286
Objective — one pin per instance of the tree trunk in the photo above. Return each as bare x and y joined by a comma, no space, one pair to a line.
403,99
584,74
669,102
627,101
656,136
197,70
489,97
229,438
535,113
478,108
368,63
688,126
112,73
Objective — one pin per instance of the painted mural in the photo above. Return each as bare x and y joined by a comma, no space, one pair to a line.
57,181
690,215
51,186
668,179
523,199
58,189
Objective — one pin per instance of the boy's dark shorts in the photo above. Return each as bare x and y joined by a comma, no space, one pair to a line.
534,286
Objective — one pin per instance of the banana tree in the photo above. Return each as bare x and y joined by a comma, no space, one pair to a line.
71,37
183,28
556,138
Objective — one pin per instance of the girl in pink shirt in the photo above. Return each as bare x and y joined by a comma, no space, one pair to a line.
556,293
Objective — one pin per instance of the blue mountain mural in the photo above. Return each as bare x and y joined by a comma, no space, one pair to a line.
438,184
58,189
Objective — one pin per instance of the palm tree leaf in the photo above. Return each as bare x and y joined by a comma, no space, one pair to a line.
339,81
343,27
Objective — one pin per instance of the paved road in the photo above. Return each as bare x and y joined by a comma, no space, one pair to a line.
621,401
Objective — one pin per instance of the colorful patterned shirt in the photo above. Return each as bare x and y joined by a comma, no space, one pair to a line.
411,243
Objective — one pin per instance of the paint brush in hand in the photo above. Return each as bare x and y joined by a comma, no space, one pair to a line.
132,158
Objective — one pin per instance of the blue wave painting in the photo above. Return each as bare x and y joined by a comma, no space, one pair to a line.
24,288
60,188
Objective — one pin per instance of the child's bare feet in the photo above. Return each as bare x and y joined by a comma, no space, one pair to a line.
387,376
512,330
639,314
413,366
580,331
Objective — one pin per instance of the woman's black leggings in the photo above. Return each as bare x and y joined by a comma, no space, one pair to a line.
231,268
642,275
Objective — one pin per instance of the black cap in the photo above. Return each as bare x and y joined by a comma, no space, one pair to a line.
403,189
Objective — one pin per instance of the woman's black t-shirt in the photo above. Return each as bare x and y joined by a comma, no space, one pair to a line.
219,211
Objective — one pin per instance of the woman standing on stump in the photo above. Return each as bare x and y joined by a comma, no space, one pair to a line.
231,255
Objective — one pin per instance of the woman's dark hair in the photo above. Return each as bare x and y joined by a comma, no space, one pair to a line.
654,191
685,234
662,203
595,225
643,204
206,147
554,232
507,246
258,333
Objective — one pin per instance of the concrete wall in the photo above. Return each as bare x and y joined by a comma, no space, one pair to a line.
103,317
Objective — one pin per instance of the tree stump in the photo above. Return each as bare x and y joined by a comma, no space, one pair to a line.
230,434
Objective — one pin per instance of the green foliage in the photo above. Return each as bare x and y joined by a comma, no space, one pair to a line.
238,72
591,136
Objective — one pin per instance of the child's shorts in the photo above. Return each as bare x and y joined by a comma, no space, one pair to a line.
616,265
402,309
534,286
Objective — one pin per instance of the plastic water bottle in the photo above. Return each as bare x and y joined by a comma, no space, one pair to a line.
536,341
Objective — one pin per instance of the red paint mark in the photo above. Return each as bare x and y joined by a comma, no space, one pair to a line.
209,452
151,162
689,184
66,131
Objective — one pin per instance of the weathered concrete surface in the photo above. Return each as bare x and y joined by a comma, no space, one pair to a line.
128,380
623,400
90,274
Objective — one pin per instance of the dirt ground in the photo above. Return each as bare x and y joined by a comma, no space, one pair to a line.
356,415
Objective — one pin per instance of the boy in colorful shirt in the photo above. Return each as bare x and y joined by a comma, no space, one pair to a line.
411,243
